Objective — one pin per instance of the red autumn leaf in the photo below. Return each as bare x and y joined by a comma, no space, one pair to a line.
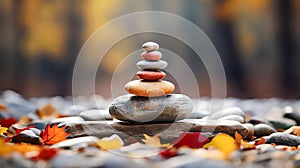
18,131
168,153
191,139
53,135
7,122
45,154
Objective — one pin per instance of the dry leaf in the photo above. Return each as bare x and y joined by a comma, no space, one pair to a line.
191,140
48,112
53,135
23,148
112,142
241,143
295,130
3,130
5,149
3,107
7,122
238,138
224,143
168,153
45,154
247,145
260,141
154,141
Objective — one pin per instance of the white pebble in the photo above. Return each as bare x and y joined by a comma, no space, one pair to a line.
150,46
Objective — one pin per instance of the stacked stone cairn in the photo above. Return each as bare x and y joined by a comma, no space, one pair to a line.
150,99
151,108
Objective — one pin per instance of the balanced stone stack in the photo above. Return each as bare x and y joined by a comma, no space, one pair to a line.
150,99
152,109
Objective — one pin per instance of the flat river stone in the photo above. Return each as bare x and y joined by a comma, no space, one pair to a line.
136,109
152,65
167,132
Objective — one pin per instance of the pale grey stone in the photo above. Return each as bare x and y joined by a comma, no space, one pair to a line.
162,109
151,65
94,115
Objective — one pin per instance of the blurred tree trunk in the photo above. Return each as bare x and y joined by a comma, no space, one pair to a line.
286,44
73,43
20,73
226,45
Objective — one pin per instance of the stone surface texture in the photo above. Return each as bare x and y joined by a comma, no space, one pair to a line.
163,109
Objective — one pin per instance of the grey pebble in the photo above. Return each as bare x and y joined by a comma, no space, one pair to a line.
151,65
283,123
74,110
263,130
65,120
27,136
280,138
95,115
208,163
226,112
38,124
257,120
234,117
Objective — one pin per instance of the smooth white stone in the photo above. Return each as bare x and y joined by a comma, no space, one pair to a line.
150,46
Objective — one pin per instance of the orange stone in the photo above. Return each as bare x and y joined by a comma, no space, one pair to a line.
151,75
149,89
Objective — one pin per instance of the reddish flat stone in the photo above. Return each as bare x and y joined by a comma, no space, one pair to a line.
151,75
152,55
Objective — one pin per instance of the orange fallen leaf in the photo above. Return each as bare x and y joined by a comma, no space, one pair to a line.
22,148
191,140
3,107
225,143
154,141
295,130
48,112
260,141
241,143
238,138
53,135
3,130
5,149
112,142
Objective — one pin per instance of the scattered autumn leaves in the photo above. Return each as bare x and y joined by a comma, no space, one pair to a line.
52,134
222,145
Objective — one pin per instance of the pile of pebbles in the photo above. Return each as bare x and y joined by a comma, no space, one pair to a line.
86,123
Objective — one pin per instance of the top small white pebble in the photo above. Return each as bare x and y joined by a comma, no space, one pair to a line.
150,46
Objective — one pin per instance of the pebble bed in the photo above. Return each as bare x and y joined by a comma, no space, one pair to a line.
78,152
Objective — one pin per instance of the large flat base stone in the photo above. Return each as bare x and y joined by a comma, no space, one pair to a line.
166,131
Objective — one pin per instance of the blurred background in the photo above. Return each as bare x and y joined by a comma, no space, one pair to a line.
258,41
